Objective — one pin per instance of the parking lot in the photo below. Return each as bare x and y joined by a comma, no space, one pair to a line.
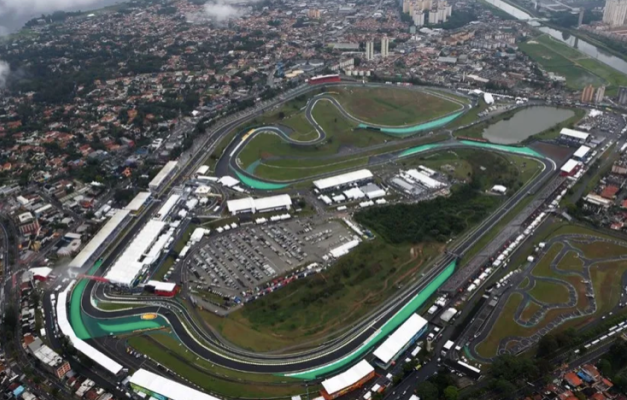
242,262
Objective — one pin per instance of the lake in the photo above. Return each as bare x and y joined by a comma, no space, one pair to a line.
526,122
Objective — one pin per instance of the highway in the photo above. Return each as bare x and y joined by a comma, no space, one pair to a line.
228,356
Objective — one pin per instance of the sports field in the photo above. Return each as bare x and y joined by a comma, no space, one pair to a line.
579,260
578,69
393,106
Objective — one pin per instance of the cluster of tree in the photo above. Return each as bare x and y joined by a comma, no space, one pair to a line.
435,220
457,19
570,20
613,365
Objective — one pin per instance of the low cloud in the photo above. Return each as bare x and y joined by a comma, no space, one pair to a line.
224,10
4,73
30,7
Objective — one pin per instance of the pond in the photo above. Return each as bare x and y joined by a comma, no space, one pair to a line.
527,122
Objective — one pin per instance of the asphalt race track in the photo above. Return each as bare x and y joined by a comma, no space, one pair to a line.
228,356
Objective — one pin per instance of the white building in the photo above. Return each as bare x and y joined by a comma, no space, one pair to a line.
385,46
343,180
370,50
265,204
162,176
615,12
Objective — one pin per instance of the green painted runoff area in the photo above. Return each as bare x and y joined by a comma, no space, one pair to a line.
511,149
401,316
416,128
86,327
260,185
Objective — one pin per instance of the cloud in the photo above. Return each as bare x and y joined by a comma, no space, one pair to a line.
223,10
30,7
3,31
4,73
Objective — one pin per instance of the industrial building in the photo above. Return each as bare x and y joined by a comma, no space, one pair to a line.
264,204
344,180
66,329
144,250
151,384
406,335
572,136
347,381
104,235
162,176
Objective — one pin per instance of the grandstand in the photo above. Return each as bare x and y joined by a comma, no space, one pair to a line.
104,236
347,381
151,384
80,345
406,334
139,255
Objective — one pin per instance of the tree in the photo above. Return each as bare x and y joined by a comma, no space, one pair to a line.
427,391
451,393
407,368
605,367
281,115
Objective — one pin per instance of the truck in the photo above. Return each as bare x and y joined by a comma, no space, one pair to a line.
447,346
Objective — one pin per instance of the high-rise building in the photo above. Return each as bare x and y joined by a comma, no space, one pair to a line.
599,95
419,19
587,94
313,13
385,46
581,12
615,12
370,50
622,95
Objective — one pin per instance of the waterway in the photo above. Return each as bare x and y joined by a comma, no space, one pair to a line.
527,122
585,47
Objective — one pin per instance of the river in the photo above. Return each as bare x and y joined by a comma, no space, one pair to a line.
527,122
585,47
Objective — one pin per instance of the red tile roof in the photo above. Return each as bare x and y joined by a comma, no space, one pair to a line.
610,192
573,379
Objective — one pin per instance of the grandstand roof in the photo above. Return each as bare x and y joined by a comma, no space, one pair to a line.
166,387
138,201
575,134
97,241
343,179
261,204
126,268
569,166
348,378
65,327
396,341
203,170
165,286
167,206
160,177
582,152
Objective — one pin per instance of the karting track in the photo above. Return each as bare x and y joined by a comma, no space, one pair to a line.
337,353
569,309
